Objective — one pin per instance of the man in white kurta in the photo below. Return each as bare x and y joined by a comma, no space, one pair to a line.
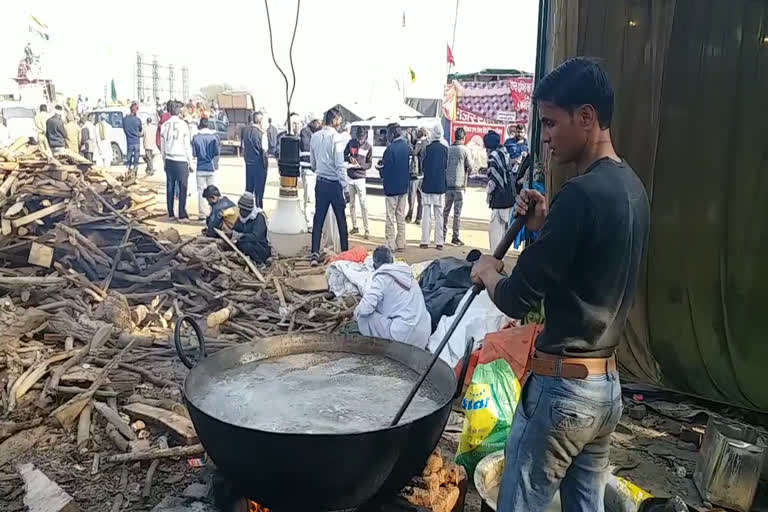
392,306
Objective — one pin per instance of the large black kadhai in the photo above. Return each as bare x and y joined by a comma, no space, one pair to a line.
325,471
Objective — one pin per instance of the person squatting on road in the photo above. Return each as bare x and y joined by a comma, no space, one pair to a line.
396,177
392,306
360,156
433,187
206,149
176,147
584,266
326,156
223,212
250,230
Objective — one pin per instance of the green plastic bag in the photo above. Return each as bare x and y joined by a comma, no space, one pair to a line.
489,406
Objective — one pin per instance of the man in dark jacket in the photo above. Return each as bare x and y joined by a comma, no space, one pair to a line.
55,131
223,212
417,160
396,174
433,187
457,174
255,159
359,153
502,170
272,133
308,177
206,149
250,231
133,131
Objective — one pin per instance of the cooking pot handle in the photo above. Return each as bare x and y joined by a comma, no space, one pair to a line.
177,339
464,366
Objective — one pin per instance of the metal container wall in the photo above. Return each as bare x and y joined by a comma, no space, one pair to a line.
729,464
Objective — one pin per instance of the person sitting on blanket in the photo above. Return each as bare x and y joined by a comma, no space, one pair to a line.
392,306
250,231
223,212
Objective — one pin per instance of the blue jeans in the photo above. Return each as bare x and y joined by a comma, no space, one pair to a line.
560,438
133,157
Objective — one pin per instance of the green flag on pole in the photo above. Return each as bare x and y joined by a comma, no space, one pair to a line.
114,92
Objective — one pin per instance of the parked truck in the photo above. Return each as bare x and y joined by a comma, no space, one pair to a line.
238,107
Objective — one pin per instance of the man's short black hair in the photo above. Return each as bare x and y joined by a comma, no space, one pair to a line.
382,255
459,134
576,82
394,130
331,116
203,124
211,191
43,108
361,130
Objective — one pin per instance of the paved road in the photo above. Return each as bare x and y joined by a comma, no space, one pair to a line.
231,180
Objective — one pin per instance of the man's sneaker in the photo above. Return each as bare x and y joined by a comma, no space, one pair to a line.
423,246
402,249
367,235
314,261
439,247
354,231
417,221
457,242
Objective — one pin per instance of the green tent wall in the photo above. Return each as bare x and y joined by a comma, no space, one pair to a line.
691,80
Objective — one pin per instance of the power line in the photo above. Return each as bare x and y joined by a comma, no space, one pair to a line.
288,97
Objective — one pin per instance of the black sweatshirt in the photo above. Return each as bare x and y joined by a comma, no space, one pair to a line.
585,263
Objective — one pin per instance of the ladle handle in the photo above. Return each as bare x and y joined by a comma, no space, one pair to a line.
177,340
498,253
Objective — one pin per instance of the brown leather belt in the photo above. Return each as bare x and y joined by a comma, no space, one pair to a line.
571,367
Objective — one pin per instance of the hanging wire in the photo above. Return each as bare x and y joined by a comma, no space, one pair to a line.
288,96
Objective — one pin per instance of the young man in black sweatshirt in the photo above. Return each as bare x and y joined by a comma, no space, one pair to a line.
585,266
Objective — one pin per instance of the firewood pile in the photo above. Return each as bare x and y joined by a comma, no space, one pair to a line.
89,295
440,486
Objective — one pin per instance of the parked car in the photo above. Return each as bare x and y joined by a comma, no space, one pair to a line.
20,121
114,116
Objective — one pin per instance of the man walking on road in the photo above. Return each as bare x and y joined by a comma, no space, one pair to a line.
457,174
433,188
308,178
326,155
272,132
176,147
132,128
360,155
150,147
584,266
396,175
205,148
256,162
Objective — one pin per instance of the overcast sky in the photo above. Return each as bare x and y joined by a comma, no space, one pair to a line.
345,50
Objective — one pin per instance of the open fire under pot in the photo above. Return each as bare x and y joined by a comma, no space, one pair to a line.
305,472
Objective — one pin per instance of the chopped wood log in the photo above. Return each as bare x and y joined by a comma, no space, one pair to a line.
41,494
179,425
446,499
69,343
114,418
108,280
309,283
40,255
242,256
95,464
162,442
73,390
149,376
39,214
9,180
117,439
84,429
8,428
217,318
31,377
19,282
19,444
176,451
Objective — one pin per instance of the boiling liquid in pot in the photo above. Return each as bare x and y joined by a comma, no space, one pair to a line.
315,393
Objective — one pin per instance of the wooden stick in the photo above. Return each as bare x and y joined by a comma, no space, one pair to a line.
17,282
84,429
106,260
39,214
154,379
163,442
243,257
104,201
67,412
161,453
114,418
118,440
74,390
108,280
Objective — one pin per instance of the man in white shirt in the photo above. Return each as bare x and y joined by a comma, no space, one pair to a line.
176,147
149,137
104,140
326,156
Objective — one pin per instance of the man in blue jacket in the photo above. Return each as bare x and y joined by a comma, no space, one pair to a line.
396,174
206,149
133,131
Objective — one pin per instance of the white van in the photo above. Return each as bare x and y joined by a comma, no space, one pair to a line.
377,137
114,116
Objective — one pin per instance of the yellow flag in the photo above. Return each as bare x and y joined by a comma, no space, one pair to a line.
413,75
